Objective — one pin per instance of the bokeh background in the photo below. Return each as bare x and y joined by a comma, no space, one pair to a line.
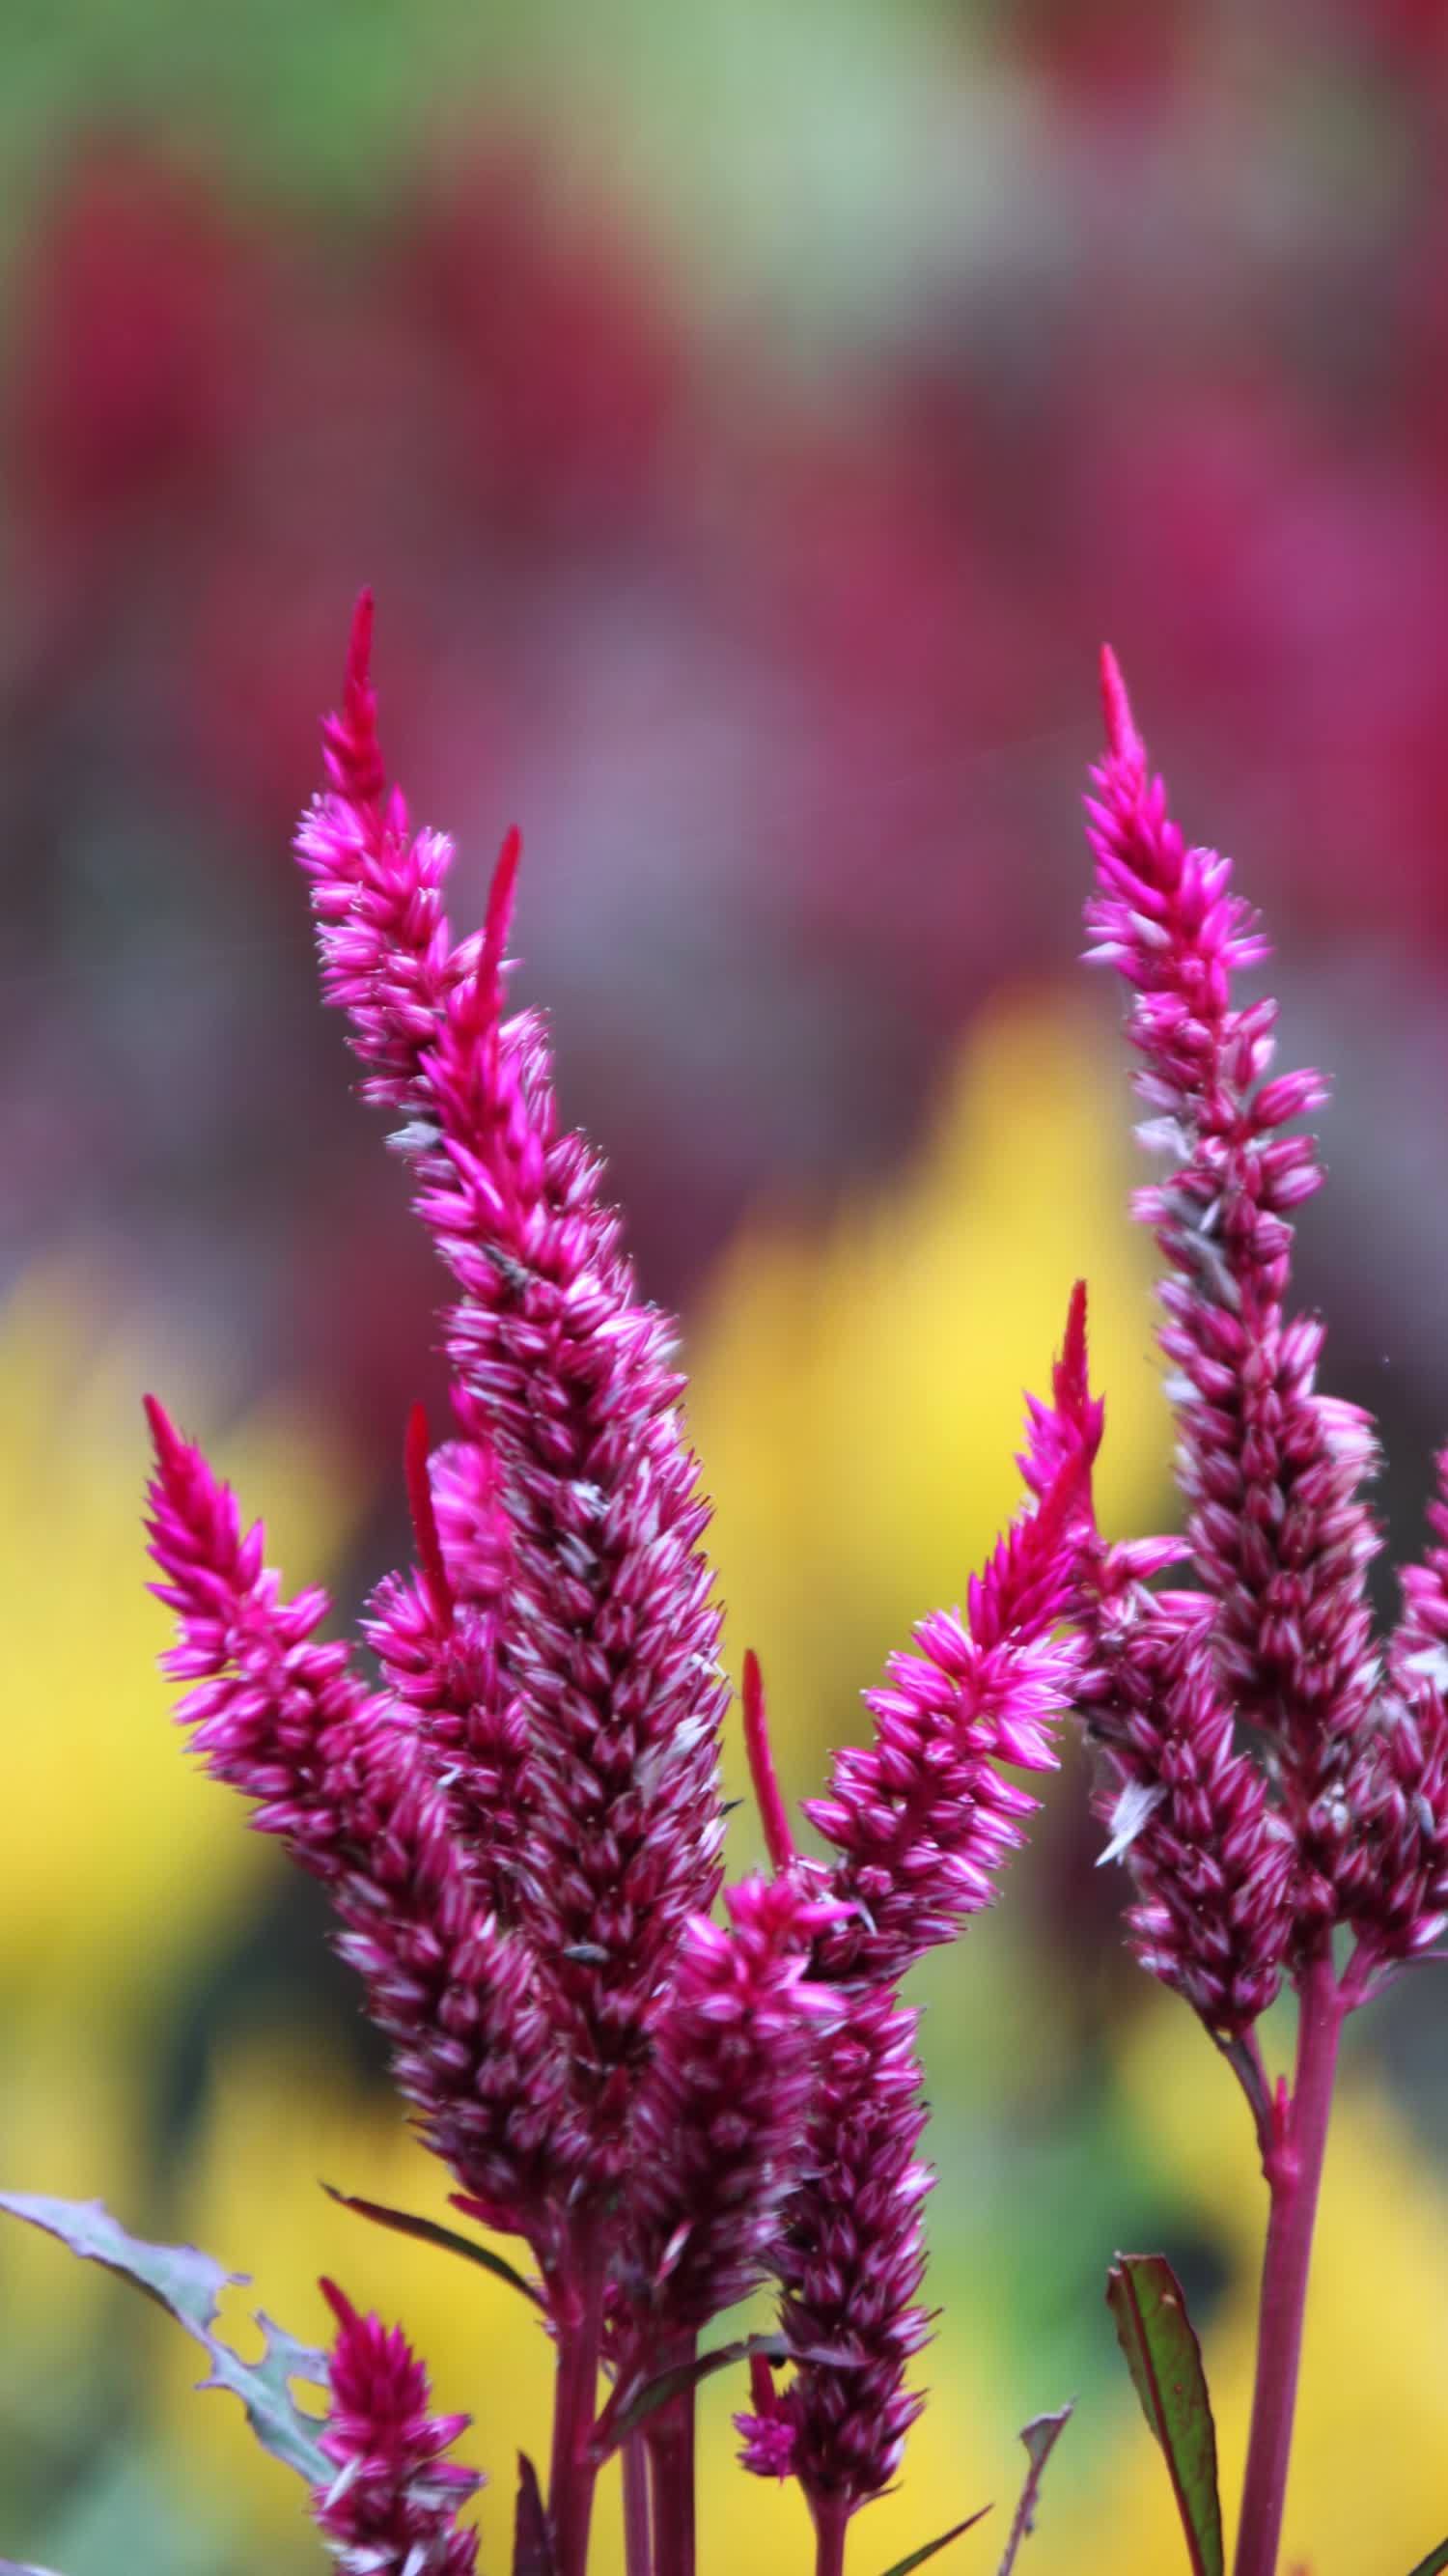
751,415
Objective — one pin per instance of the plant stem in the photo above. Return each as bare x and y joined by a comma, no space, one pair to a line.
832,2521
575,2389
671,2452
638,2554
1294,2172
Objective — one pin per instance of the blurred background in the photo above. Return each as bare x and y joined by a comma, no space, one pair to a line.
751,415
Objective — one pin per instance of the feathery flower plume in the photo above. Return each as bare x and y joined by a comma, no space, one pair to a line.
719,2140
1245,1863
922,1821
283,1719
921,1816
1396,1885
610,1635
1211,1859
392,2508
435,1634
1269,1467
851,2264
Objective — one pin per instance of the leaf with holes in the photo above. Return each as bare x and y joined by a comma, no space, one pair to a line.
918,2557
430,2231
1040,2437
188,2285
1165,2361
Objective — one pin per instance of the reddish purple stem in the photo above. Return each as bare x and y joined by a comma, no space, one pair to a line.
1294,2174
637,2532
574,2470
832,2521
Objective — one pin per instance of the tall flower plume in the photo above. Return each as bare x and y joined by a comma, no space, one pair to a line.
1270,1467
1243,1859
922,1820
283,1719
922,1817
392,2508
610,1636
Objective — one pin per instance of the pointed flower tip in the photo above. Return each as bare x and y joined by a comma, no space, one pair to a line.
416,1468
773,1814
165,1438
1121,731
359,643
501,896
338,2301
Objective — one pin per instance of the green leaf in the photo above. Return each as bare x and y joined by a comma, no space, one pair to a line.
532,2539
188,2285
1165,2361
918,2557
430,2231
1040,2437
1434,2563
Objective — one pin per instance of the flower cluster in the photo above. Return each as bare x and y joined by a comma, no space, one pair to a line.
1245,1859
520,1822
392,2508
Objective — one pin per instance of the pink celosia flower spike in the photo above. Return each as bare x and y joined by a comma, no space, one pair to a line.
608,1633
1270,1468
282,1718
720,2129
851,2264
392,2508
1398,1879
436,1636
922,1817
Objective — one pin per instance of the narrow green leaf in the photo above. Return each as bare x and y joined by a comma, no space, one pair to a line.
1040,2437
430,2231
188,2285
1434,2563
1165,2361
532,2539
918,2557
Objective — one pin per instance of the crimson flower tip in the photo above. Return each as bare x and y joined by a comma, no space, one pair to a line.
1121,733
773,1813
424,1514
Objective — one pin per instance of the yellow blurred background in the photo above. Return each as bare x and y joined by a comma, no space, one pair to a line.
751,415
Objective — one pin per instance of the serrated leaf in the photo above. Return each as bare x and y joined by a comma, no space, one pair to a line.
188,2285
1434,2563
430,2231
918,2557
532,2539
1040,2437
1165,2361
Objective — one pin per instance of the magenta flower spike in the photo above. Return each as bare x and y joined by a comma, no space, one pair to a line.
851,2266
922,1817
1270,1468
392,2508
284,1720
1247,1856
720,2131
610,1633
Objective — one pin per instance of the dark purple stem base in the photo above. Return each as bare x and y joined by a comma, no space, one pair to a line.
1294,2172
